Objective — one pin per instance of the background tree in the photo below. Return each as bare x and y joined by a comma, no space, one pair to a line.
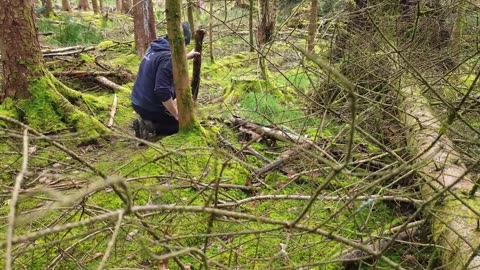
66,6
179,62
48,8
210,33
96,8
19,47
190,10
126,6
118,6
268,19
312,25
83,5
144,25
250,26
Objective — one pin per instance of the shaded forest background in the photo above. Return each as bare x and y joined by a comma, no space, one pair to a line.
327,135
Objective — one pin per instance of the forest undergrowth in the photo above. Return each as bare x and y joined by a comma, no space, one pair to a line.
271,177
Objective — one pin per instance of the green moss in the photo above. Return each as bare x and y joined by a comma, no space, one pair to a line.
87,58
106,44
129,61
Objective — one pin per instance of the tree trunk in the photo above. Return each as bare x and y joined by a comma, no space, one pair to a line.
210,33
25,76
126,6
96,10
100,4
190,15
66,6
48,8
19,47
312,26
268,18
83,5
118,6
454,224
250,26
143,21
186,118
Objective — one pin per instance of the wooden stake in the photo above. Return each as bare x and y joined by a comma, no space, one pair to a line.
197,63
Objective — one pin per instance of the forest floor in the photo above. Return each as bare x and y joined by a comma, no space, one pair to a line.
218,164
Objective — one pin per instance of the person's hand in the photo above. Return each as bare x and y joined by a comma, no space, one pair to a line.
192,54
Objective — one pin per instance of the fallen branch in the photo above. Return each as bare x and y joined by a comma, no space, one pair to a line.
320,198
109,84
276,164
81,74
69,52
113,111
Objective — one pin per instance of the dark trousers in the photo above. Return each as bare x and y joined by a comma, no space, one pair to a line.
163,123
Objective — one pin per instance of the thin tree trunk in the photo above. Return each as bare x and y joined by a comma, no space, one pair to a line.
100,4
126,6
312,26
66,6
118,6
151,21
210,33
190,15
454,224
197,63
48,8
266,28
19,47
250,26
142,20
186,118
459,25
83,5
96,10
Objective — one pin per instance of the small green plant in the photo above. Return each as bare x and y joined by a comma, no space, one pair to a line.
73,33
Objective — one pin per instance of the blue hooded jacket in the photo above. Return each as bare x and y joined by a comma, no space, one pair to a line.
154,83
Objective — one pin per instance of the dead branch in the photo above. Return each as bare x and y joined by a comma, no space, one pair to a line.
69,52
109,84
113,111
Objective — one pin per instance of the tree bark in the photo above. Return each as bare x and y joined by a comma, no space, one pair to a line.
454,224
250,26
19,47
312,26
126,6
210,33
66,6
48,8
95,7
118,6
142,25
186,118
197,63
268,18
100,4
190,15
83,5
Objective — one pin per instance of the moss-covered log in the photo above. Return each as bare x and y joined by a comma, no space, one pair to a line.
454,216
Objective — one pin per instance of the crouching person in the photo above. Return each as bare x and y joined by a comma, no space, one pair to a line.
153,95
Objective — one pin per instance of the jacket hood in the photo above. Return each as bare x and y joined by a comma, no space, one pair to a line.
160,44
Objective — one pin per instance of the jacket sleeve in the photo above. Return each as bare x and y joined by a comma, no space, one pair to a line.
164,81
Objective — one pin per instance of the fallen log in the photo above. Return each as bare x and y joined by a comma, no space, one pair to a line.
454,216
69,52
81,74
109,84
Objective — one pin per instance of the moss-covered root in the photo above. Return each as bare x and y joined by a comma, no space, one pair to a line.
50,109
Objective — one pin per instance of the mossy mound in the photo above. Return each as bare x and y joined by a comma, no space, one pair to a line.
53,108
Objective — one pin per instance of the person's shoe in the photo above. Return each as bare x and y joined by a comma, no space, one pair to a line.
142,128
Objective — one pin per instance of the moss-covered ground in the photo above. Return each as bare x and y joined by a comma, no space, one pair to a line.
183,169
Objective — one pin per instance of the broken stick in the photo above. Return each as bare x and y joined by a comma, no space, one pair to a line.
113,111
